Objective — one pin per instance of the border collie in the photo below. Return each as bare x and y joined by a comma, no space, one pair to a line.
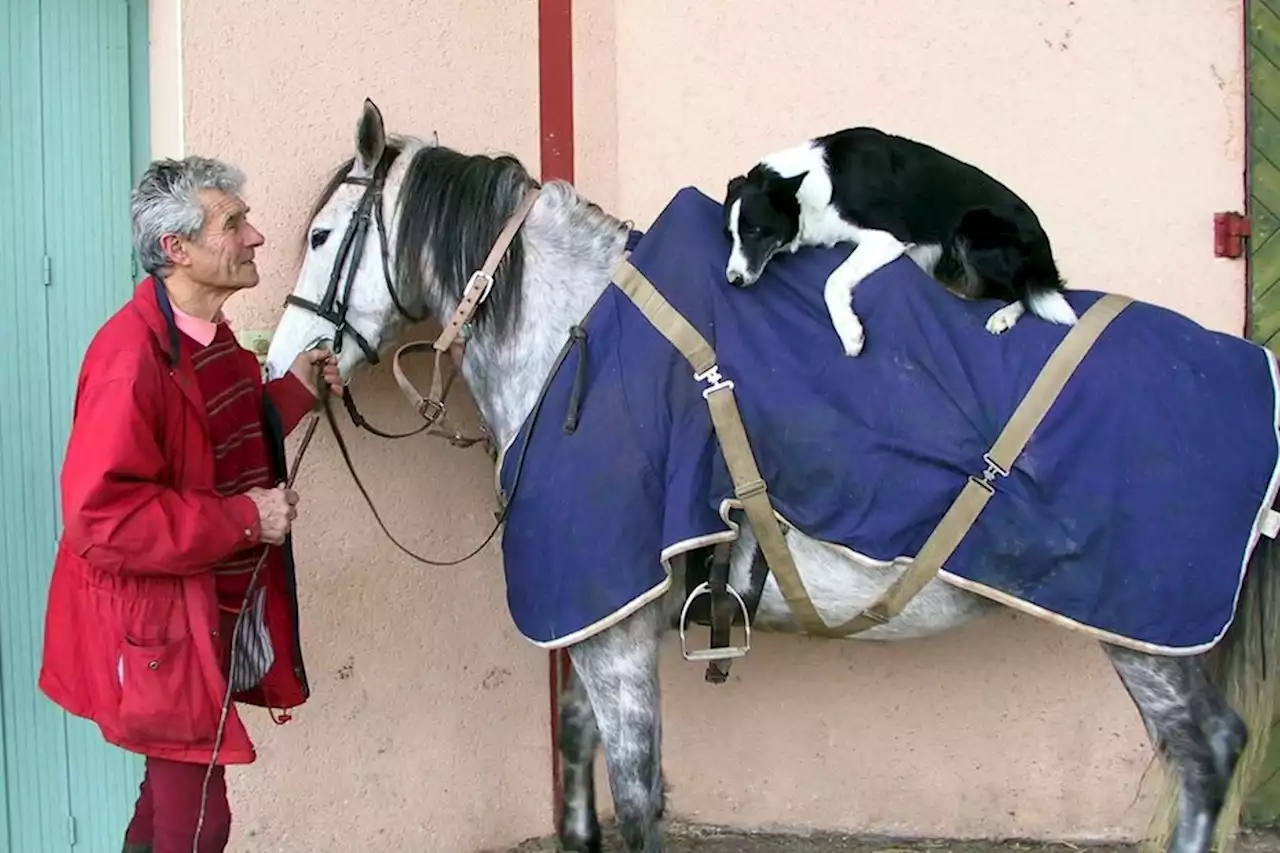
879,191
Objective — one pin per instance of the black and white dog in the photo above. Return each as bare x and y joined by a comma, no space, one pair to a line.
890,195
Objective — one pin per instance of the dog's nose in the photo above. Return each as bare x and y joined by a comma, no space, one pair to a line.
733,275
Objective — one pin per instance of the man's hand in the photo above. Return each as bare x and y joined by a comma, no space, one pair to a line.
315,366
276,512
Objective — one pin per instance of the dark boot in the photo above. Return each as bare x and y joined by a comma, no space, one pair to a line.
136,848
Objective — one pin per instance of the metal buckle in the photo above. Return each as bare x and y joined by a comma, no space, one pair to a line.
488,284
993,469
718,382
437,410
726,653
988,476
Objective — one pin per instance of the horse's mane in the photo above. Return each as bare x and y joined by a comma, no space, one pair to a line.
452,207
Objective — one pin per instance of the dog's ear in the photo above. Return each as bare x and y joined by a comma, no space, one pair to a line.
787,188
734,187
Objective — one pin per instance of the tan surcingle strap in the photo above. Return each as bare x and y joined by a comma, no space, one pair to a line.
752,491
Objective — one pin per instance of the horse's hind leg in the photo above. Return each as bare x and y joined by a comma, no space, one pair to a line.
579,737
1191,725
618,669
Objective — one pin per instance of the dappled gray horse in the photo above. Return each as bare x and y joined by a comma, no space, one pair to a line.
615,485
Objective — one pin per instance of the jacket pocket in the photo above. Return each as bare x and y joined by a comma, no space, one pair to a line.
162,696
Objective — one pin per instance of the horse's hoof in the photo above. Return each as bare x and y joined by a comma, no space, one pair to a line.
588,843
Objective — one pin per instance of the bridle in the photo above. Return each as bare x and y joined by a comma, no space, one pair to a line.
451,342
334,309
329,308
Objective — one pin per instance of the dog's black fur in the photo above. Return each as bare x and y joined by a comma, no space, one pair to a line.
986,241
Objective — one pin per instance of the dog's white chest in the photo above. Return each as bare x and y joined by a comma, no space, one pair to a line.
823,226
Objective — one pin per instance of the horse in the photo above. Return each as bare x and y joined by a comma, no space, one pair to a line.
410,223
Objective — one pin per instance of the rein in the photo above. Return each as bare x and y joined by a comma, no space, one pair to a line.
250,588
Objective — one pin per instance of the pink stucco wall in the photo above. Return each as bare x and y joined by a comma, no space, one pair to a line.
1121,123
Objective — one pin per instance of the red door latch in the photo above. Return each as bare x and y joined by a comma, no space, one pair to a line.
1230,228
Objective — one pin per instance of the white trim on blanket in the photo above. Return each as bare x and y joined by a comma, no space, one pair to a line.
728,505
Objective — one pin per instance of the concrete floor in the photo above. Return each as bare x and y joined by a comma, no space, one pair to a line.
689,839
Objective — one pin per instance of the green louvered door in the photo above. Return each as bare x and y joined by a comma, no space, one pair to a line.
1264,168
34,738
88,119
73,124
1264,257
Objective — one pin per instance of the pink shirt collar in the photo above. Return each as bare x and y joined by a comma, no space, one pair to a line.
200,331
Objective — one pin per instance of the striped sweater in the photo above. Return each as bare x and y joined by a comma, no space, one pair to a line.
241,458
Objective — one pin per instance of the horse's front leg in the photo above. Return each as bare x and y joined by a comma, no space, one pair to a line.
579,737
618,669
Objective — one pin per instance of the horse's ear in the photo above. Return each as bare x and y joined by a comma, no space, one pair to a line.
371,136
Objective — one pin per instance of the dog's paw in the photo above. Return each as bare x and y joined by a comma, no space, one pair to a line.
852,337
1004,319
998,323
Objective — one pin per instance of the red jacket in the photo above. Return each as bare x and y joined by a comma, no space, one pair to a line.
131,631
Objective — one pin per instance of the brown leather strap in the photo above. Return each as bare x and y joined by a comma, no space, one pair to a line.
946,537
432,407
1053,377
481,281
433,410
748,486
751,490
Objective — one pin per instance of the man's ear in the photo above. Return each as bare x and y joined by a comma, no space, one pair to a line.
175,250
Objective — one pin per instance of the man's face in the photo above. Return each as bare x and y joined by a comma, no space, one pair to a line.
221,255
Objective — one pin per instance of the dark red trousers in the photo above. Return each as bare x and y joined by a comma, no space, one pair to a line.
169,807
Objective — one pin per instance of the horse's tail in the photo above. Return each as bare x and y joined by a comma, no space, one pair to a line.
1245,666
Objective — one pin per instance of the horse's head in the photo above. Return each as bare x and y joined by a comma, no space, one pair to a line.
345,294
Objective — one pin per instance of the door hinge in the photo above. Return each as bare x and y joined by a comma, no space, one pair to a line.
1230,228
48,271
71,830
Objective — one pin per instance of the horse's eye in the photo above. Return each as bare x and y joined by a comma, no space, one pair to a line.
318,237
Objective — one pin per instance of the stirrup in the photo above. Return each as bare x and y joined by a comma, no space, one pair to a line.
726,653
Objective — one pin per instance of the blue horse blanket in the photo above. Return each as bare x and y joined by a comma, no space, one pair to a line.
1131,514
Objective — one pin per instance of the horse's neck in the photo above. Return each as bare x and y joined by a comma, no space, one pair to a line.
565,273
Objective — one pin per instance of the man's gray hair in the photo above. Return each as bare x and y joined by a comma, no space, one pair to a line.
166,201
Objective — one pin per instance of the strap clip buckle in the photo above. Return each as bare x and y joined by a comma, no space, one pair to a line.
717,382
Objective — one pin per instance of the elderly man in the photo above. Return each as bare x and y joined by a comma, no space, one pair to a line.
171,492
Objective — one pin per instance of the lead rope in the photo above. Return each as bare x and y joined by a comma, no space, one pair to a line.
253,579
577,337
